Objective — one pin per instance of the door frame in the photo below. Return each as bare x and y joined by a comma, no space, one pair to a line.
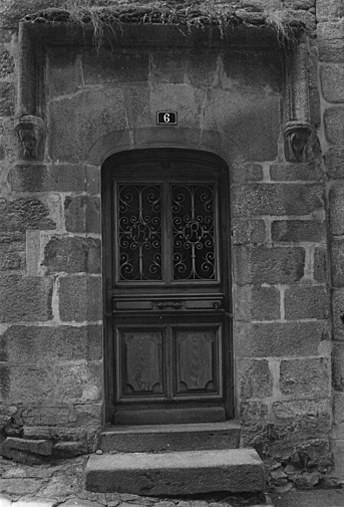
109,351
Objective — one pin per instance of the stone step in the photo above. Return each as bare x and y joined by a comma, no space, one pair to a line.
176,473
171,437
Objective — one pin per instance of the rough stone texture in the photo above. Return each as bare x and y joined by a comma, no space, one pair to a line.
279,339
265,303
306,302
332,78
334,124
295,172
28,384
248,231
26,299
330,9
305,377
320,266
331,41
72,255
41,447
268,265
279,199
338,313
69,449
6,99
308,417
80,298
255,379
48,415
176,473
82,214
338,366
337,259
334,163
337,209
22,214
298,231
30,344
78,383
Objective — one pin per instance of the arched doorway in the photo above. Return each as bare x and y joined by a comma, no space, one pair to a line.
167,287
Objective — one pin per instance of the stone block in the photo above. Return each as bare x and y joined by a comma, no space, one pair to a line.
248,231
47,415
337,209
65,450
337,263
27,384
277,339
332,82
253,412
330,9
32,344
304,417
338,414
261,264
24,486
334,163
52,178
89,414
338,366
25,299
296,172
265,303
255,379
338,313
64,71
306,302
107,66
298,231
278,199
334,124
331,41
43,447
82,214
72,255
320,265
6,64
23,214
79,383
305,377
338,457
12,252
80,298
245,172
7,99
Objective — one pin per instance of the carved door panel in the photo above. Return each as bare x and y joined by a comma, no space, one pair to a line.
168,332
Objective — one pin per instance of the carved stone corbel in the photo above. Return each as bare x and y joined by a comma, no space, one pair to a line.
31,133
298,136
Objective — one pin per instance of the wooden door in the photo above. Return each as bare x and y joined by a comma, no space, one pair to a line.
168,355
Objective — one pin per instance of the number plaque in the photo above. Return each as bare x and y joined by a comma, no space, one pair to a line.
166,118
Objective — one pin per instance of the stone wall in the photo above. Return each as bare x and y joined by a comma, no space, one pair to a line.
230,102
331,73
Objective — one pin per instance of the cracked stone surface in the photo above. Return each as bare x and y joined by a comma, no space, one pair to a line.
62,484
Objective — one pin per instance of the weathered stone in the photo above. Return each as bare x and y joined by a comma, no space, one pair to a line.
26,299
49,415
337,258
6,64
334,163
42,447
330,9
7,94
306,302
29,344
278,199
22,487
338,313
248,231
265,303
268,265
82,214
89,415
320,268
64,72
279,339
298,231
305,377
331,41
53,178
69,449
253,412
308,417
79,383
80,298
23,214
295,172
334,124
176,473
12,253
27,383
255,379
338,366
337,209
306,480
332,78
247,172
72,255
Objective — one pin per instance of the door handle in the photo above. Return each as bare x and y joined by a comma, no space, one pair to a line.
163,306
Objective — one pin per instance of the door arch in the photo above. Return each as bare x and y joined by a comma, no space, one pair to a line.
168,353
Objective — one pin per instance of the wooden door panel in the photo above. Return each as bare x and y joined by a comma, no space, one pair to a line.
197,362
141,363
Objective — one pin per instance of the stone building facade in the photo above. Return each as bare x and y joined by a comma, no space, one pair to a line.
269,111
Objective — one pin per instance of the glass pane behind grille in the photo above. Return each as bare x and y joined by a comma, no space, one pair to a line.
193,232
139,229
